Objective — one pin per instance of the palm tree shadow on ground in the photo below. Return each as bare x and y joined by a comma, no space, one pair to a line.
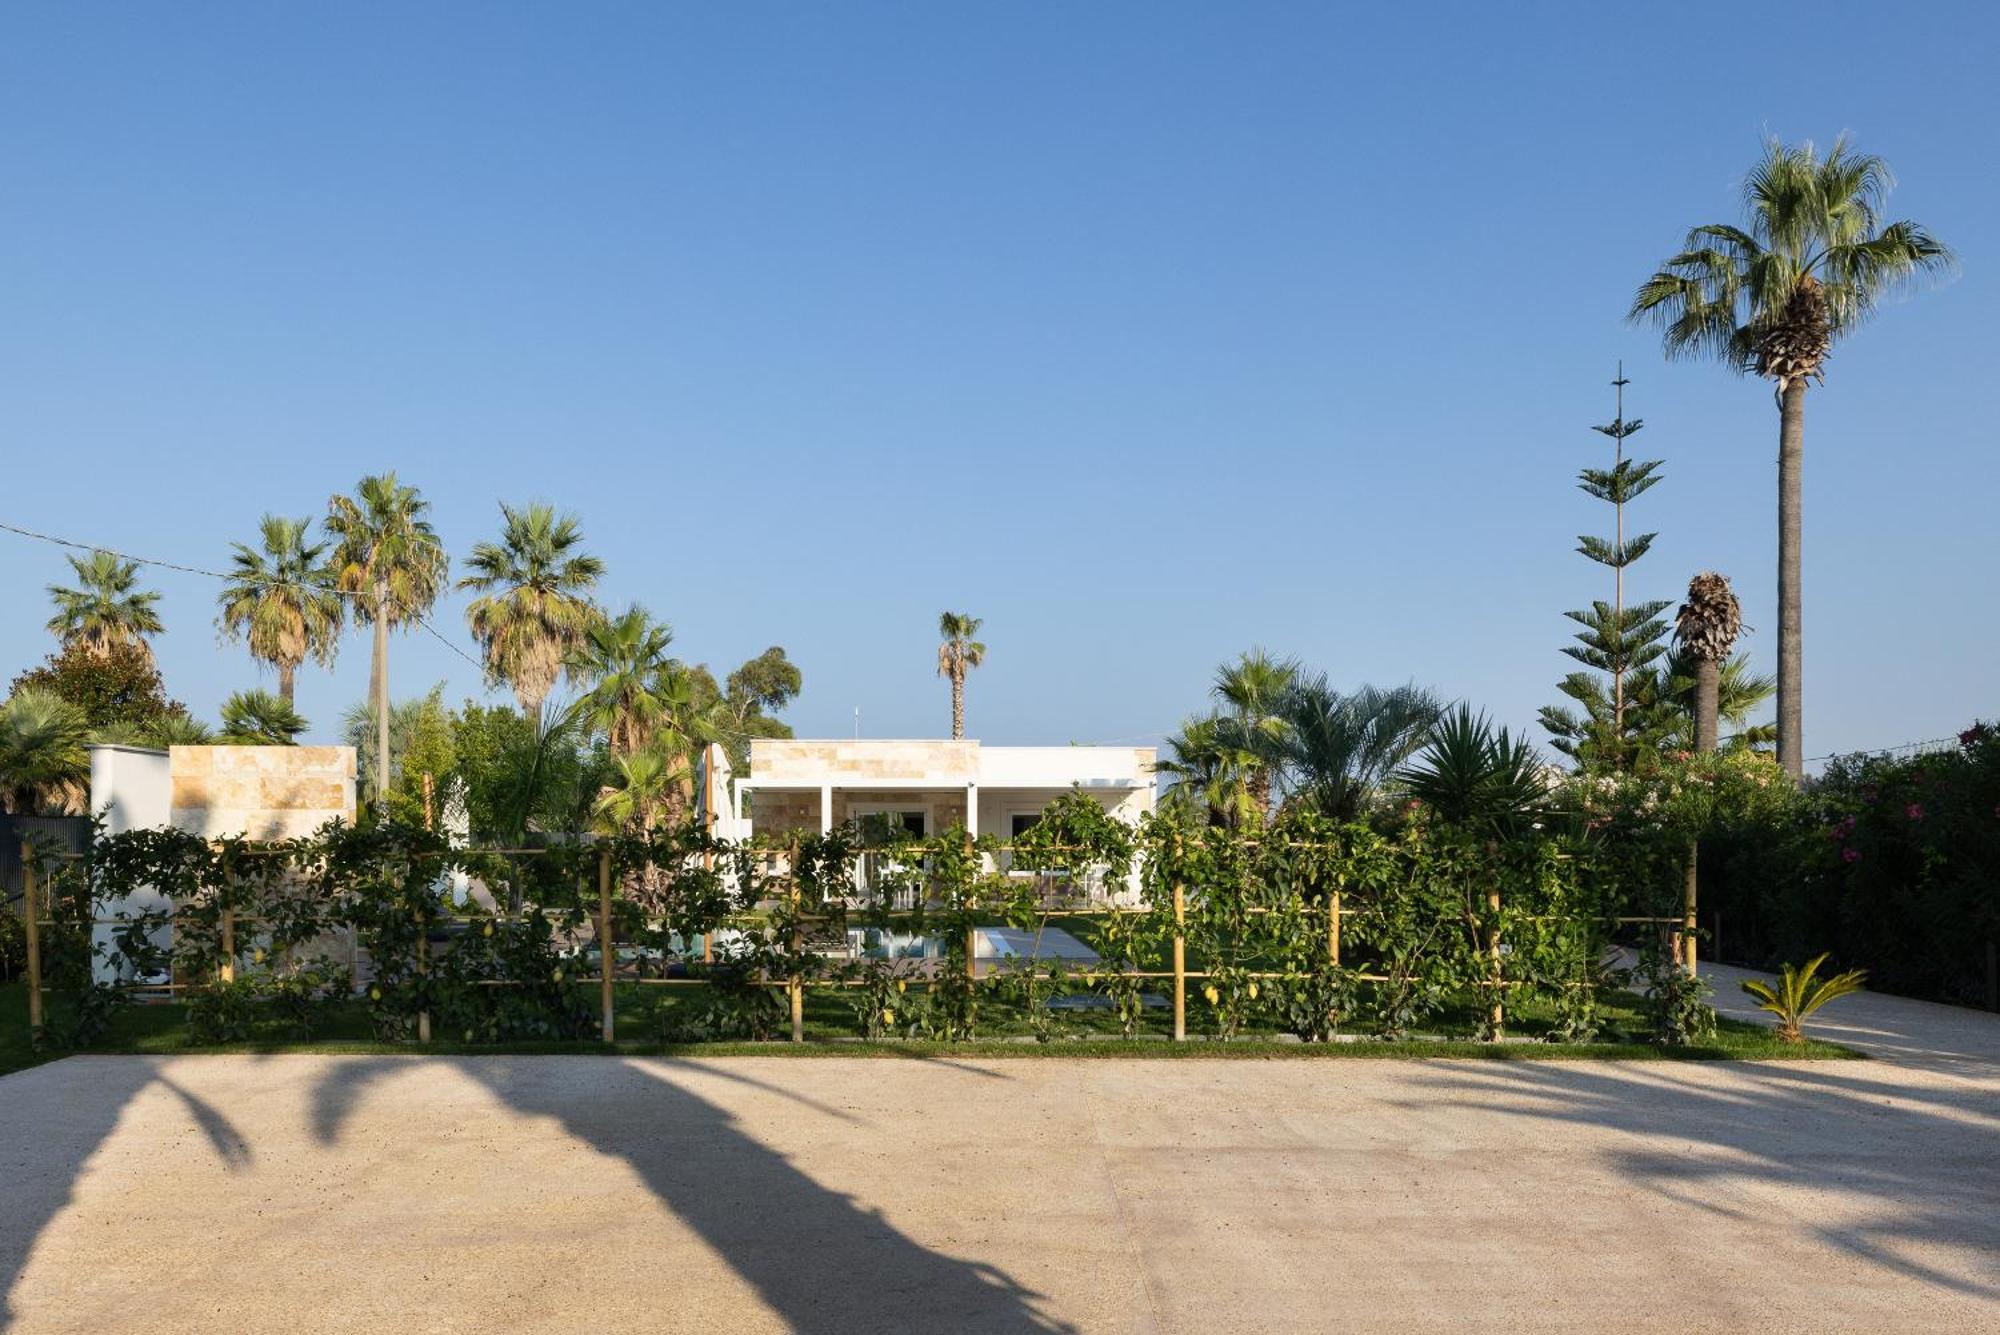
818,1260
1788,1125
40,1165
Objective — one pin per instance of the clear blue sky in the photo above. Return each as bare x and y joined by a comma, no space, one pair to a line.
1146,332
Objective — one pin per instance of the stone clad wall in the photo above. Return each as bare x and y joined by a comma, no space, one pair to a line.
923,763
264,792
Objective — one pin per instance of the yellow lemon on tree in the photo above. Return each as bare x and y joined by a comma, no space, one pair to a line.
1253,991
900,985
488,931
888,1017
374,994
1214,997
257,958
558,975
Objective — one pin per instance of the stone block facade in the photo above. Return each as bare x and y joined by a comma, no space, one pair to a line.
262,792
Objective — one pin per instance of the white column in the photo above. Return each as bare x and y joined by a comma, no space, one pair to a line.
825,807
972,809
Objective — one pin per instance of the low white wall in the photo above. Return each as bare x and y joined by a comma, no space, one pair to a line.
131,788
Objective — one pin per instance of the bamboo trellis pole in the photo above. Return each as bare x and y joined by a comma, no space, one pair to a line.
1180,964
228,923
1498,1016
797,987
30,904
606,947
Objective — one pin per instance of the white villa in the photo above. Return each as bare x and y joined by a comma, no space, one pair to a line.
930,786
926,786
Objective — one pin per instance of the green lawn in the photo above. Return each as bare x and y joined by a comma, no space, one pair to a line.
831,1031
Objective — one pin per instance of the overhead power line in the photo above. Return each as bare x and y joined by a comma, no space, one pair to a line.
222,575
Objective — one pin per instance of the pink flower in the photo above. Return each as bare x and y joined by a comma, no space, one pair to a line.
1850,855
1915,811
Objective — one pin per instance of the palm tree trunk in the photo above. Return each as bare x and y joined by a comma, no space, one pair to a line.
957,703
1707,705
286,671
1791,467
1707,701
378,690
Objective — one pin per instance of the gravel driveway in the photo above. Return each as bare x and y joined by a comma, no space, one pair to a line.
320,1193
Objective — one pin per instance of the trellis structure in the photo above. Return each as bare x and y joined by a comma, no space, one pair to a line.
1201,916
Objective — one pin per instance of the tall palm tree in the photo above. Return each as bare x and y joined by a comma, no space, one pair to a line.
282,600
1810,263
1740,691
623,658
1337,751
387,553
106,608
1707,625
1252,692
535,607
958,654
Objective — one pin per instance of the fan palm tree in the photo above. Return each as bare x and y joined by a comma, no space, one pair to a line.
534,609
646,779
388,554
282,600
1707,625
1209,771
1337,751
1252,692
956,656
259,718
1771,297
106,608
623,658
689,721
44,768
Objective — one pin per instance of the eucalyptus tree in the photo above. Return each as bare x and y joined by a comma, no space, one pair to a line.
1337,752
1811,260
958,653
281,599
534,608
1617,641
388,555
107,608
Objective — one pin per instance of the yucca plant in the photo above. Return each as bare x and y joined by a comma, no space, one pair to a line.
1800,992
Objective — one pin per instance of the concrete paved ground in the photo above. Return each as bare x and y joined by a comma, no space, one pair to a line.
583,1194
